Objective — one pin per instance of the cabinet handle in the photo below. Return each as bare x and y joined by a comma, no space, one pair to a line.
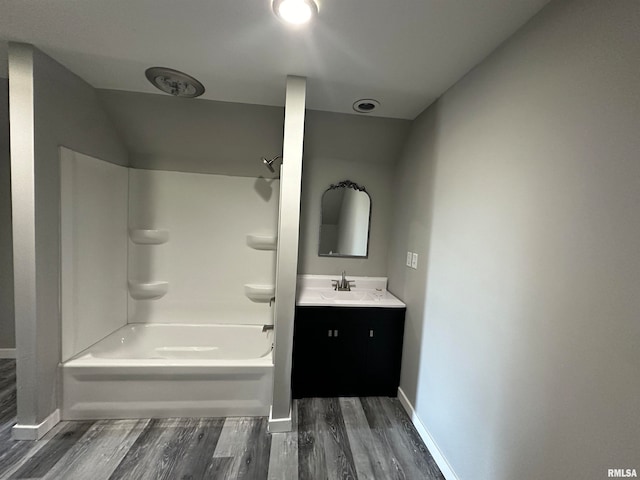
330,333
335,333
371,333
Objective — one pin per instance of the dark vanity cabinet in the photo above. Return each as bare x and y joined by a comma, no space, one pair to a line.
347,351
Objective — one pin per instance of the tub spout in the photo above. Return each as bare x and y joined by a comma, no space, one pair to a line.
267,327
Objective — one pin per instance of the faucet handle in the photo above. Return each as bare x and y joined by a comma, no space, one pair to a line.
334,284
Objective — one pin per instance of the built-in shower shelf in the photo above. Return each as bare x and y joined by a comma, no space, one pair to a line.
262,242
148,291
259,293
148,237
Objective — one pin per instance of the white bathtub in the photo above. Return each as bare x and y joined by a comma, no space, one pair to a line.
171,370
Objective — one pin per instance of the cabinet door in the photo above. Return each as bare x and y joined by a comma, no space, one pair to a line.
384,335
309,347
347,357
327,356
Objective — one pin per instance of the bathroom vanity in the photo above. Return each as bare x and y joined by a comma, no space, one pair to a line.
346,343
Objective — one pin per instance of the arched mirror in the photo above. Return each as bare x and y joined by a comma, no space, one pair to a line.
344,225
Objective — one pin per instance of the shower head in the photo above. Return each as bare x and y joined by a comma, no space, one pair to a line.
173,82
269,163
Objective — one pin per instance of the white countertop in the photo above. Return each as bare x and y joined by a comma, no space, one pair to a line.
316,291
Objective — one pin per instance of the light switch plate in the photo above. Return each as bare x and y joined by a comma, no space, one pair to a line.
409,258
414,261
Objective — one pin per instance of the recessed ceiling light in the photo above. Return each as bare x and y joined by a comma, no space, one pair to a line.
295,12
365,105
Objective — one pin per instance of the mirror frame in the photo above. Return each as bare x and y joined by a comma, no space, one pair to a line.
358,188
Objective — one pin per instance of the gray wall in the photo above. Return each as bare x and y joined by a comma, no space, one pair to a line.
349,147
520,191
194,135
204,136
7,324
66,112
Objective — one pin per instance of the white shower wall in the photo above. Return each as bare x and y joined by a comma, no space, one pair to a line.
206,260
93,242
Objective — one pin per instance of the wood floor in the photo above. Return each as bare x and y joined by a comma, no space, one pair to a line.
334,438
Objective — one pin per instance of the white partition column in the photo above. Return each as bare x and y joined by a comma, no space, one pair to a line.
21,115
287,262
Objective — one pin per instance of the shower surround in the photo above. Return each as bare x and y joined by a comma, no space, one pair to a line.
155,316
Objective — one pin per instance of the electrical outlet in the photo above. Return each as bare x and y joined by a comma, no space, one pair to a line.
409,258
414,261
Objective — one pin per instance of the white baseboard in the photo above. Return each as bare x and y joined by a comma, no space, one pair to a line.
279,425
428,440
36,432
7,353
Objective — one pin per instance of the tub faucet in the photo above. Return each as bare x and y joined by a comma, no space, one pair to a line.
267,327
343,285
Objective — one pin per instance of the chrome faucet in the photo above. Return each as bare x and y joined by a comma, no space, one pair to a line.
343,285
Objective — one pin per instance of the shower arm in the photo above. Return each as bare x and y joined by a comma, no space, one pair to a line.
269,162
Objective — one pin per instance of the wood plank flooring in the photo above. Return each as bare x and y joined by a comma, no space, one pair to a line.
333,438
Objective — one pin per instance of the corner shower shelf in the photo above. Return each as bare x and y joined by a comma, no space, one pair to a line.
148,237
148,291
259,293
262,242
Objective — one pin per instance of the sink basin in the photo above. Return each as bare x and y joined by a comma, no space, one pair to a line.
368,292
352,296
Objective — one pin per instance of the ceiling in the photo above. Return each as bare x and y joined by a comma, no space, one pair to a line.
404,53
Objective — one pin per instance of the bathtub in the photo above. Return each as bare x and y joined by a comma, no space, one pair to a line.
171,370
